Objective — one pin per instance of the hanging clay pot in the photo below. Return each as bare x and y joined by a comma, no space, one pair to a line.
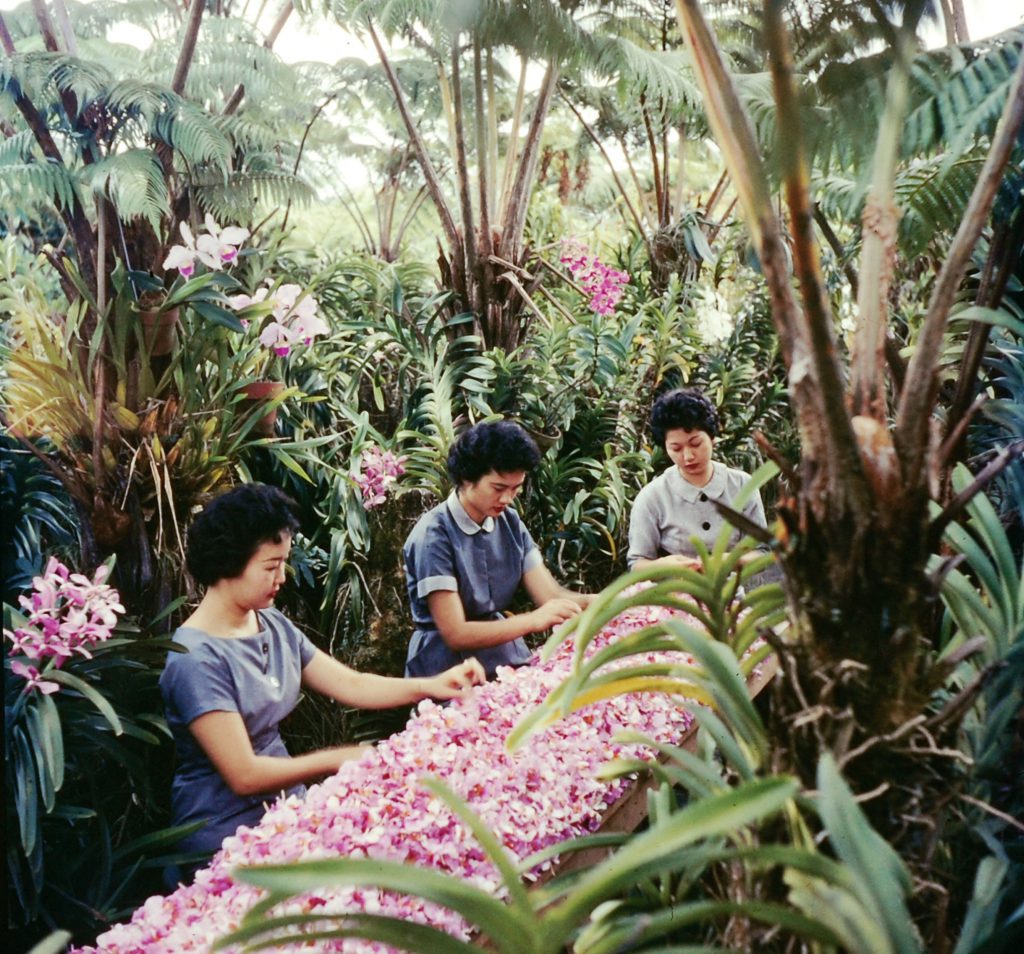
159,330
545,439
262,392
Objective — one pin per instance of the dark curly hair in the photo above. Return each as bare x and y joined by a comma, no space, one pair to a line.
687,409
502,446
231,527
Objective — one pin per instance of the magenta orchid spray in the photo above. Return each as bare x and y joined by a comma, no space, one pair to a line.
378,470
602,284
67,614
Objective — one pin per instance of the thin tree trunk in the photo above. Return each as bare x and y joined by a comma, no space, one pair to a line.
188,46
960,22
666,212
619,184
235,100
462,178
512,236
680,167
419,147
492,130
512,149
652,146
46,28
649,216
483,181
947,22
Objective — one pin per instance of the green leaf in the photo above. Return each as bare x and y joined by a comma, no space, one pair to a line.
721,815
882,879
478,907
54,943
26,794
80,685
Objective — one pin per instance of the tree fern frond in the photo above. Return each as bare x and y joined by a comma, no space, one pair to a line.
662,76
932,197
135,96
247,134
960,92
96,17
17,148
31,184
192,132
133,181
220,64
69,74
230,201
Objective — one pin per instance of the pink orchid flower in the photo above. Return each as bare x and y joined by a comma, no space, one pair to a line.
33,680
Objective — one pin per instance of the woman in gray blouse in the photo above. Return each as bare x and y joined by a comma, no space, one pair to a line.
679,503
244,667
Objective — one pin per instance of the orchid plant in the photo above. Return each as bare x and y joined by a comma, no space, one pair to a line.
285,315
378,471
602,284
68,615
293,314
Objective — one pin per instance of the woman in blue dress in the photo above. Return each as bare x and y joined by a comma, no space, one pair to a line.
466,559
244,668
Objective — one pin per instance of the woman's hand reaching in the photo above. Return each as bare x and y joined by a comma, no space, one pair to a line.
456,681
552,612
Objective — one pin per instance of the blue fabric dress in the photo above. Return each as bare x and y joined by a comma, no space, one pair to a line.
259,677
483,563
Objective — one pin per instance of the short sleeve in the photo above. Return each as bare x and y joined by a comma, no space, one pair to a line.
198,682
432,563
532,557
302,646
644,535
307,649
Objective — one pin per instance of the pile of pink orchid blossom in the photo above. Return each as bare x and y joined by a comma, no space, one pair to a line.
376,807
66,615
295,319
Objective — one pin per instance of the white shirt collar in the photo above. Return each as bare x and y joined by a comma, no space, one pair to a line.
714,488
463,520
